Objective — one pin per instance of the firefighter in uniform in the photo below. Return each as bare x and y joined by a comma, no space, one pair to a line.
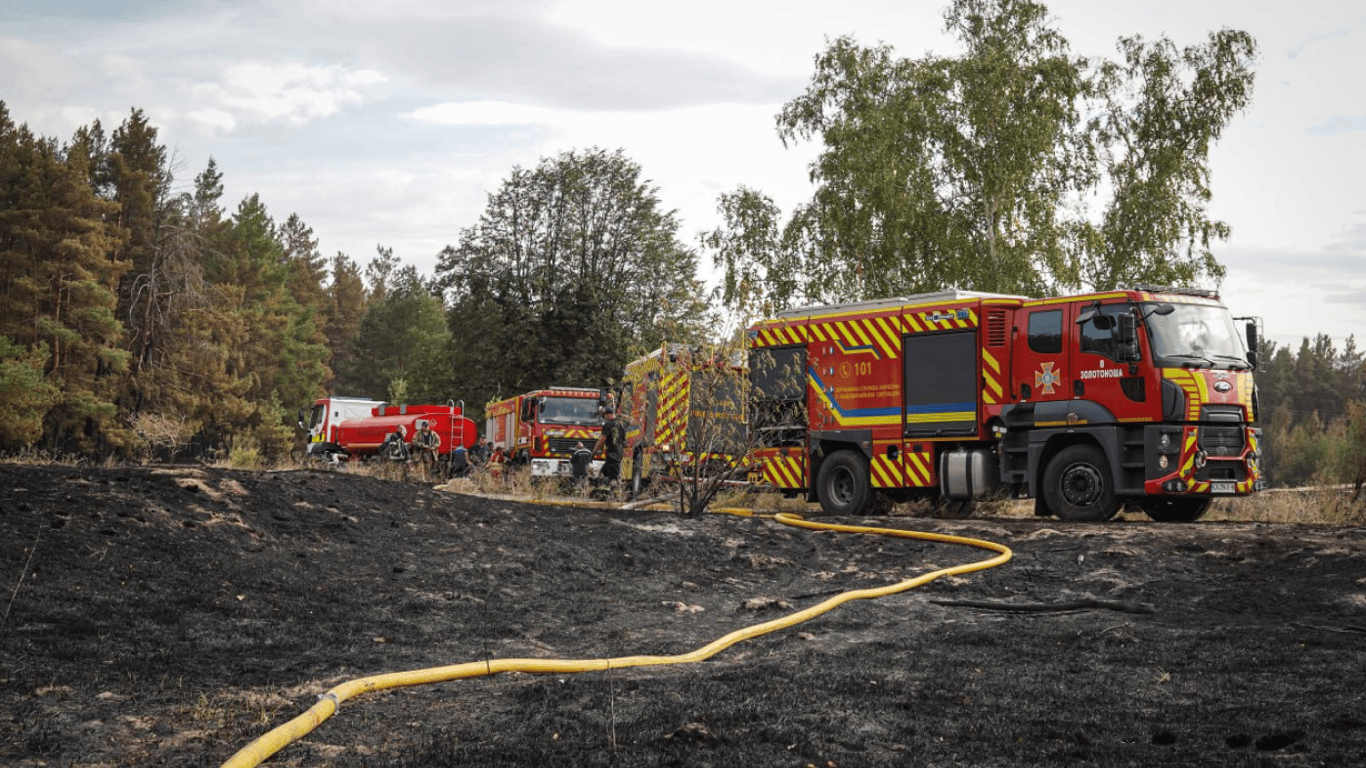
393,448
460,462
425,445
579,462
613,445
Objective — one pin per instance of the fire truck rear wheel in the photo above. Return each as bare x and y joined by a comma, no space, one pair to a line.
844,486
1077,485
1175,510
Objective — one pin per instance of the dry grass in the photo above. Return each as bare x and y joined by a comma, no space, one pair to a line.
1309,506
1329,505
1302,506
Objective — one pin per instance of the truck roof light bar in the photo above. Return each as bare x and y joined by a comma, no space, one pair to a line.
1203,293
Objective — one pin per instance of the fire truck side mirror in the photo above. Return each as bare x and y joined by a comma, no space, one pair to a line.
1126,338
1094,316
1252,344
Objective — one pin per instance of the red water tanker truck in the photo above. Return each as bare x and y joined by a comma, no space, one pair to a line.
341,428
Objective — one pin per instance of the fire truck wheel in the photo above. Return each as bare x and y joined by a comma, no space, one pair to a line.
1077,485
843,487
953,509
637,479
1175,510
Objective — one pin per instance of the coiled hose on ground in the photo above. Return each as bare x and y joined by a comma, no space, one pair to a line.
262,748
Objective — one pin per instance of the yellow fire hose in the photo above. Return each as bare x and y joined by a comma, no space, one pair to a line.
260,750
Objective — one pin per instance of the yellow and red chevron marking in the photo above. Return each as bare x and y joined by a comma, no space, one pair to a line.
919,469
780,334
500,408
673,408
1245,389
580,433
785,471
877,336
1254,472
886,471
1187,463
993,391
953,318
1194,385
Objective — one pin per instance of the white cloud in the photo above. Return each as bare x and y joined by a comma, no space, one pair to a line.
293,93
32,69
487,113
211,121
1337,124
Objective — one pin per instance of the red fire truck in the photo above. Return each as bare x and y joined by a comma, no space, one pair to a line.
340,428
1084,403
541,428
676,410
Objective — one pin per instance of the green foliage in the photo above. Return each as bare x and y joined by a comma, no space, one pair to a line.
345,308
977,171
1351,454
758,270
58,283
1311,412
160,324
572,267
1164,109
24,393
403,336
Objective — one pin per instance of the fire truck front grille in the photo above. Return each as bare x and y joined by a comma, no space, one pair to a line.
1217,471
565,445
1222,441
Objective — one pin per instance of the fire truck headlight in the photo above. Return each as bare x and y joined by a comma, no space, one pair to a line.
1165,441
1162,462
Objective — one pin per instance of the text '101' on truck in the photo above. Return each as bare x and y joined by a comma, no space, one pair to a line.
542,428
1085,403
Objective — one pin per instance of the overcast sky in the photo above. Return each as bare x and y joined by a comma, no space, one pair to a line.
388,123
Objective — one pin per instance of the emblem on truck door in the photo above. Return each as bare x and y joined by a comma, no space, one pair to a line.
1046,378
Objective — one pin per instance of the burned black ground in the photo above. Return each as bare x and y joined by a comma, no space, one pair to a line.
169,616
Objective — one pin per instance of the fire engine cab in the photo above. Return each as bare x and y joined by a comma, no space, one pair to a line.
1084,403
542,428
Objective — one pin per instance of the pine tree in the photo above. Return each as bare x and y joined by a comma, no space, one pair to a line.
59,284
346,307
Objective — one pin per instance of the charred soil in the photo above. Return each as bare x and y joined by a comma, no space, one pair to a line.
169,616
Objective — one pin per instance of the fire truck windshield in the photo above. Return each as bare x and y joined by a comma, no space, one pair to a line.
570,410
1195,335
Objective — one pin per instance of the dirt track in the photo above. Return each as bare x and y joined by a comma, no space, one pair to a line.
170,616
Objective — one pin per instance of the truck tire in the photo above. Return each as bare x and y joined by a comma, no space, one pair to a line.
953,509
844,486
637,477
1078,486
1186,510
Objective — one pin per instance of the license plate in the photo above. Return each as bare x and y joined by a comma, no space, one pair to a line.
1221,488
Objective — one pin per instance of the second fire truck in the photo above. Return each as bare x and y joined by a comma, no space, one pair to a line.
542,428
684,414
1084,403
